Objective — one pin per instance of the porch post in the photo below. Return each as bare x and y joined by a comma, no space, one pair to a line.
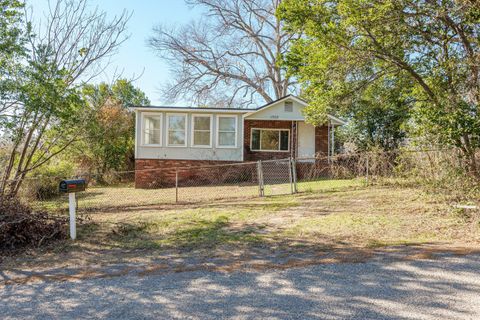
328,141
294,139
333,140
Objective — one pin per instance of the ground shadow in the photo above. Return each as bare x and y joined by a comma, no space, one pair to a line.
446,287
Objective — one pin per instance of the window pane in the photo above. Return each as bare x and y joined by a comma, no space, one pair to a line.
176,122
151,125
201,138
284,140
176,137
152,122
152,137
201,123
255,139
226,124
270,140
288,106
226,139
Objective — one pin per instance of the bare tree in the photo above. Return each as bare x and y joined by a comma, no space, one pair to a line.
231,56
70,46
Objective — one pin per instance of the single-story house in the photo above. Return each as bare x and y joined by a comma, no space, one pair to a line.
169,137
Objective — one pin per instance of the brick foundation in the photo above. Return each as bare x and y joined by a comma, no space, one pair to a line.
158,173
151,173
312,170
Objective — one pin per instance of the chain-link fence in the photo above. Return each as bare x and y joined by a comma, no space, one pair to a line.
131,190
158,187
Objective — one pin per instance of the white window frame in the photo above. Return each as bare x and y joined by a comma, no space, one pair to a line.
269,129
218,132
142,131
200,115
167,126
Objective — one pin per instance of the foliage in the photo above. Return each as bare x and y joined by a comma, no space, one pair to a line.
377,116
40,118
439,171
43,182
111,128
350,44
12,40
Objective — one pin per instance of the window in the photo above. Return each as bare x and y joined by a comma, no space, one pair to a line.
227,131
202,130
288,106
152,134
177,124
270,140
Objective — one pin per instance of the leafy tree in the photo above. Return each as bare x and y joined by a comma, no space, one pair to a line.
41,118
12,48
378,116
350,44
111,129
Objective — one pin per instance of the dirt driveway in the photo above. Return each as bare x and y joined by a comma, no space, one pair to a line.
386,286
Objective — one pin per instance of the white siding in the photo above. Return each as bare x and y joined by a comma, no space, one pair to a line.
277,112
188,152
306,140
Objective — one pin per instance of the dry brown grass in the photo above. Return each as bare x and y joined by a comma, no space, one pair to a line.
349,224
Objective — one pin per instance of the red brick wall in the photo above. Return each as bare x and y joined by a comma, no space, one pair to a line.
156,173
321,141
249,155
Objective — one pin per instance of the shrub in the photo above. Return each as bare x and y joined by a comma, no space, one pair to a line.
439,171
43,183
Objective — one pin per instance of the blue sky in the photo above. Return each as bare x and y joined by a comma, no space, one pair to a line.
134,56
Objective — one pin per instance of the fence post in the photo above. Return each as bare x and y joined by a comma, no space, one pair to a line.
176,185
261,191
366,170
293,166
290,175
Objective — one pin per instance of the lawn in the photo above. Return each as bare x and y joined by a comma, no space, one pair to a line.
326,216
120,197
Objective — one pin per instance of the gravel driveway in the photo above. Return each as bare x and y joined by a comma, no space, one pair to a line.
444,288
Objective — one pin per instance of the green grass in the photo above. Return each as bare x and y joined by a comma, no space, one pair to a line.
332,214
98,198
328,185
325,212
207,226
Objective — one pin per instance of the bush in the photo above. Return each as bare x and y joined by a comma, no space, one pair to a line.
43,183
440,171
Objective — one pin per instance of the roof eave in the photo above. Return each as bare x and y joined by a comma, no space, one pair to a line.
336,121
192,110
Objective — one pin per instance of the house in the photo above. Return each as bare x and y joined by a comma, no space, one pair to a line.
169,137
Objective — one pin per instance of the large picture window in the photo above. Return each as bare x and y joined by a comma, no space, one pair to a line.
152,133
227,131
177,125
202,130
270,140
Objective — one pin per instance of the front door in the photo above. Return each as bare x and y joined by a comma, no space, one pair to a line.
306,140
